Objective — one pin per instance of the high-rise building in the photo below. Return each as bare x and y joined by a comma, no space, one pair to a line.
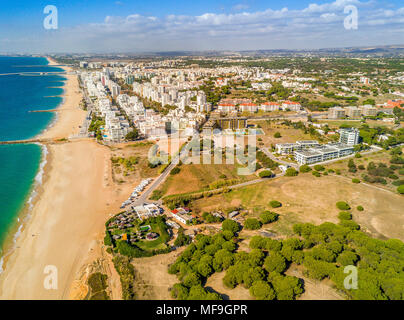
349,136
115,90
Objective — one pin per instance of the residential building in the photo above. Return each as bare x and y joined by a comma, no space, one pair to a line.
369,110
349,136
323,153
353,112
336,113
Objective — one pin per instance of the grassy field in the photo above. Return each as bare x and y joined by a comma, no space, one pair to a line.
335,124
194,177
309,199
377,157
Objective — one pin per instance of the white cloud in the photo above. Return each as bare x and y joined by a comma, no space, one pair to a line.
241,6
316,26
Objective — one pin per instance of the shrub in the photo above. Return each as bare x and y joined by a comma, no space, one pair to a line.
398,183
275,204
176,170
400,189
291,172
277,135
344,215
268,217
358,155
401,172
266,174
355,180
343,205
305,168
319,167
108,241
316,174
360,208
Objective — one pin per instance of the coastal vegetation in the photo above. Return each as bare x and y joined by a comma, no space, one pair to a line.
97,284
322,250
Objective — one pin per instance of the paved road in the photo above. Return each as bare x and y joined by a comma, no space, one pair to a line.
271,155
156,183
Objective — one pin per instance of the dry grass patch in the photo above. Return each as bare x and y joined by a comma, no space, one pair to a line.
309,199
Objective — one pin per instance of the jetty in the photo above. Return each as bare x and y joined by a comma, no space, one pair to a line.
31,141
40,111
36,74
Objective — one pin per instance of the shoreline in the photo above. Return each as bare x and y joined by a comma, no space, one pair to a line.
24,215
65,123
67,223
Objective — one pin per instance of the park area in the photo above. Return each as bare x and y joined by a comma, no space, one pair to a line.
136,238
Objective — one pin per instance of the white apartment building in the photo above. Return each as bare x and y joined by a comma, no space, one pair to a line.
336,113
323,153
353,112
269,106
349,136
290,148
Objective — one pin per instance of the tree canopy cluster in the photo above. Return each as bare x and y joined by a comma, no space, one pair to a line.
329,248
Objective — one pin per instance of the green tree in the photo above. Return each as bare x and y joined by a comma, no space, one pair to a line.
305,168
266,174
252,224
132,135
268,217
230,225
347,258
275,262
262,291
253,275
291,172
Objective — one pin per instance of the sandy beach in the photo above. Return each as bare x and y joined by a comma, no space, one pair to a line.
67,224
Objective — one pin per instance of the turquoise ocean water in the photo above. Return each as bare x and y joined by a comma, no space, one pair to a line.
21,165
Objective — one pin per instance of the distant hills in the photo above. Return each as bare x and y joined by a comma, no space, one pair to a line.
369,51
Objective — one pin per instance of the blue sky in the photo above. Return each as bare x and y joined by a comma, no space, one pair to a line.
151,25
